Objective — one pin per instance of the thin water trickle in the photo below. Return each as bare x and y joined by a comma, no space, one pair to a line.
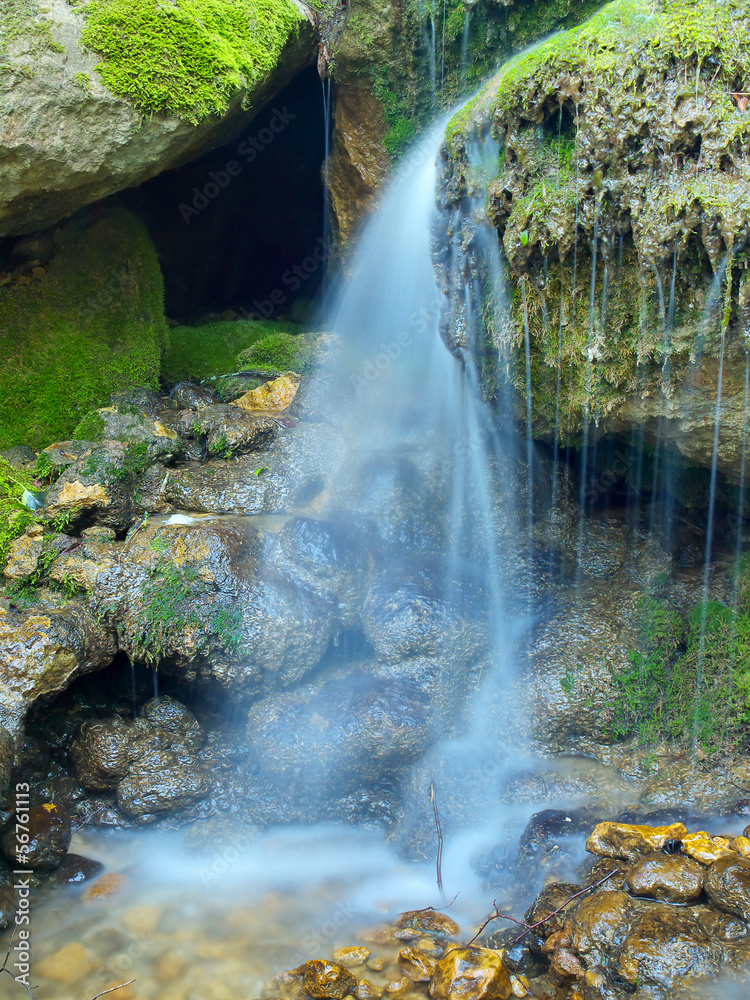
465,46
326,86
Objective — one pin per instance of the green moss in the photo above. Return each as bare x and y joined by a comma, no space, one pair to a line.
92,323
195,353
15,516
91,428
279,352
24,31
166,609
187,57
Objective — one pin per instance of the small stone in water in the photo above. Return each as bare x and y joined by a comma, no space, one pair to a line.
397,987
75,869
471,974
352,956
71,964
368,991
324,980
104,887
376,964
416,965
429,921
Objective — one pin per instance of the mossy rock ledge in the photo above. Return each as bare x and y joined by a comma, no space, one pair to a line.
100,95
611,162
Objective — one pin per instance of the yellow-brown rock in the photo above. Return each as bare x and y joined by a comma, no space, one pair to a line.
274,395
704,848
23,557
105,887
416,965
597,923
428,921
351,957
368,991
670,878
471,974
76,496
742,846
623,840
519,986
397,987
71,964
325,980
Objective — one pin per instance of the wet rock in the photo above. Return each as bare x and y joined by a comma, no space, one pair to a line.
228,429
48,831
330,559
417,966
101,752
23,557
153,439
599,925
471,974
324,980
175,724
367,990
186,396
706,848
139,397
275,395
8,905
669,878
547,828
169,787
544,913
728,886
414,613
352,956
97,487
75,869
19,457
70,964
340,730
712,792
428,922
623,840
665,946
567,686
43,650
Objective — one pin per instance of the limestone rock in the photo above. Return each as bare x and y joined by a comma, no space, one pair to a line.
669,878
49,835
274,395
705,848
623,840
471,974
228,429
428,922
324,980
23,557
728,886
666,946
65,144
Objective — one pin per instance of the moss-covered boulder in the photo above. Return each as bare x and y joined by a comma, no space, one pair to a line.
104,94
88,321
612,163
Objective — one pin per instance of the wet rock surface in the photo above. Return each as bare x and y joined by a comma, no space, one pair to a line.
38,837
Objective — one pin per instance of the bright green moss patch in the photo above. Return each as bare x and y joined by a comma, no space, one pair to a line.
195,353
15,516
186,57
94,322
279,352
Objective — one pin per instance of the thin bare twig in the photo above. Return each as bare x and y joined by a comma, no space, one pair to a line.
439,863
112,989
4,966
589,888
436,909
497,915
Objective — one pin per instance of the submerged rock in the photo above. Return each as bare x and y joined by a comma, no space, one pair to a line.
669,878
38,838
728,886
471,973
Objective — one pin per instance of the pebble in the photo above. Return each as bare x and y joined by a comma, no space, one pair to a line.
628,841
71,964
352,956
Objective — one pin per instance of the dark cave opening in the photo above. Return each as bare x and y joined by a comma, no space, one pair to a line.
242,227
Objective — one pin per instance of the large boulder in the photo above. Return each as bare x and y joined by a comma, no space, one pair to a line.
41,651
79,120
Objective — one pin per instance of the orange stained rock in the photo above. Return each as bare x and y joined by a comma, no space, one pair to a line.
104,887
71,964
368,991
430,921
628,841
703,847
742,846
352,956
471,974
275,395
416,965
